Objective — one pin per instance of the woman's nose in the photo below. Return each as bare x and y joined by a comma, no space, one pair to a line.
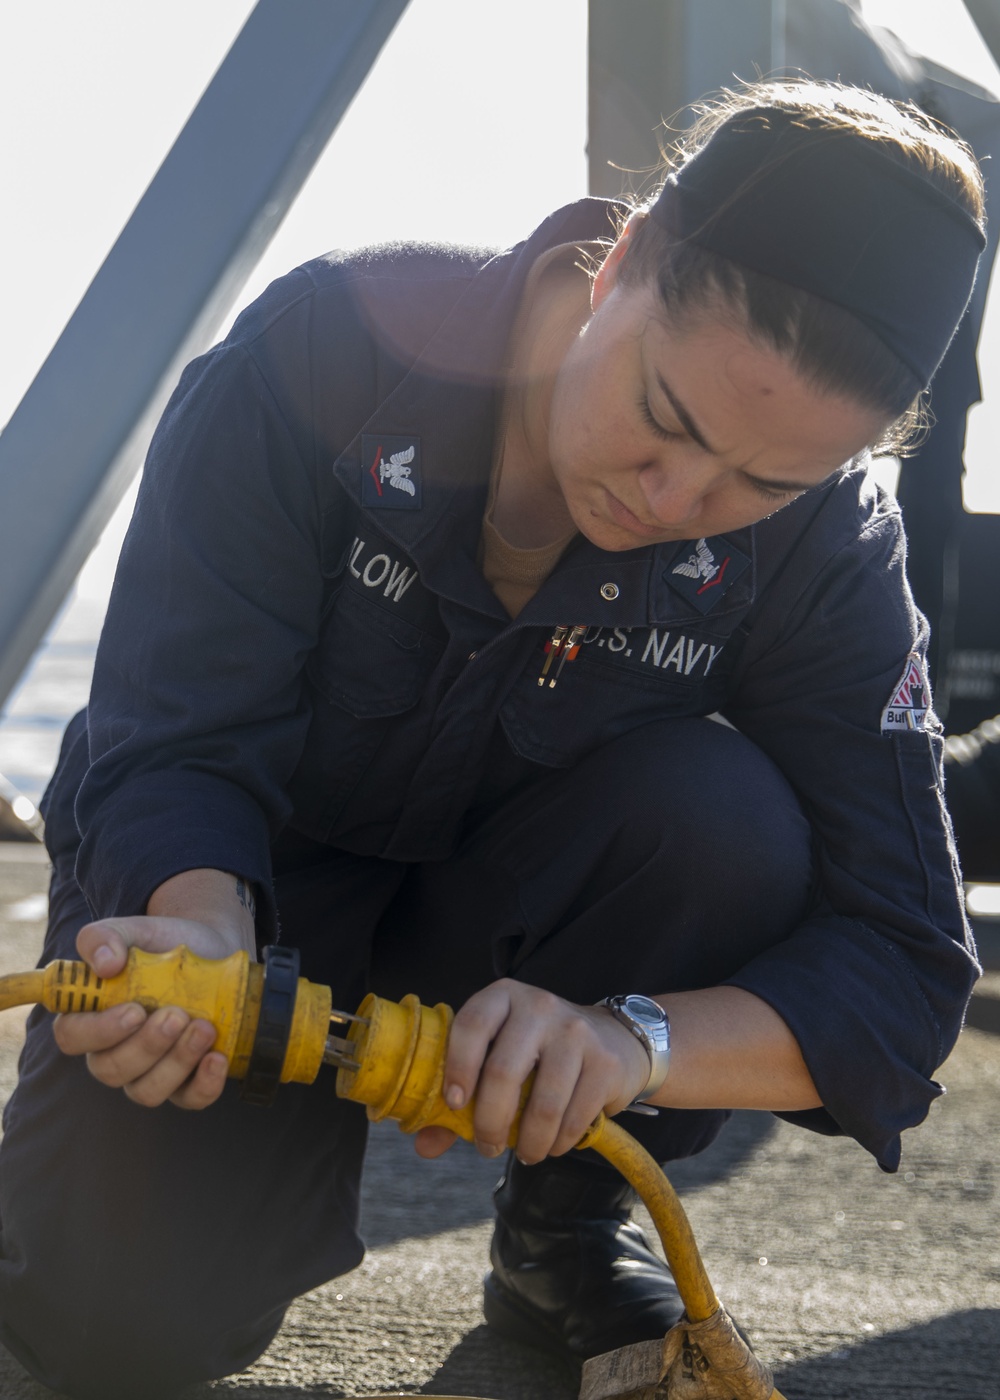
674,494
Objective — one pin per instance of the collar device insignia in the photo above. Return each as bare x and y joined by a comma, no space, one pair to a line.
390,472
704,572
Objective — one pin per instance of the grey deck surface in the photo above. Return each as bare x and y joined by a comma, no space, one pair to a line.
852,1284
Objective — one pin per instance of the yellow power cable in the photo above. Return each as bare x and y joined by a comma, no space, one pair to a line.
398,1055
392,1060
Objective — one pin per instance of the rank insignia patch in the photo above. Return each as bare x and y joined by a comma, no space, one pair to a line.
704,576
390,472
910,702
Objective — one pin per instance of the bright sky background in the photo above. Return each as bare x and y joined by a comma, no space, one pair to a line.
466,130
93,93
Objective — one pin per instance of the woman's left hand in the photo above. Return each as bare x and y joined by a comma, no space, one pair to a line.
584,1061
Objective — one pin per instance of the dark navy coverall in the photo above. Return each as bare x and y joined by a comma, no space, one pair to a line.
304,679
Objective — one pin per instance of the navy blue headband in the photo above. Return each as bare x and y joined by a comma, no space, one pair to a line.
832,213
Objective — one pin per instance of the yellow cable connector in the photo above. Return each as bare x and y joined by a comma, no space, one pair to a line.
400,1048
226,992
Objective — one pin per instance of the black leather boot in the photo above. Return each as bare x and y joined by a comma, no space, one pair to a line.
571,1273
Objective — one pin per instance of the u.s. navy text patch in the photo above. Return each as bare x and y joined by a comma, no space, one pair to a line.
910,702
390,472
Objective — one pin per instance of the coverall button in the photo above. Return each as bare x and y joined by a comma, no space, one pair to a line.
609,591
472,656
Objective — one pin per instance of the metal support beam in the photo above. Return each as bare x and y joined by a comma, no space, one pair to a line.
79,434
649,60
986,17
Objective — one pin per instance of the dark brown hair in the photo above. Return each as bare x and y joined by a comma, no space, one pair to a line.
824,342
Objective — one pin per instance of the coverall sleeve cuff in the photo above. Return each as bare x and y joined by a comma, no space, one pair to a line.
161,824
865,1030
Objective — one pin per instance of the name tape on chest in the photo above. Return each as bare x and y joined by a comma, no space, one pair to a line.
910,702
390,577
377,570
390,472
674,654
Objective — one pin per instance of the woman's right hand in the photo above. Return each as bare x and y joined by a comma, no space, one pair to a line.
153,1057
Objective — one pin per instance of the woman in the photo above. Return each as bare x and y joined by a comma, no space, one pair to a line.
440,563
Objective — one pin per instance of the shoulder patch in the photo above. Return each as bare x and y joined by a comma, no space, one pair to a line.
910,702
390,472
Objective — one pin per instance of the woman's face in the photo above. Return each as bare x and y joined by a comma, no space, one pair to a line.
657,433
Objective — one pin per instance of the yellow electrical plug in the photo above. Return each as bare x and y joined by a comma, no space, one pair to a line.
392,1060
227,992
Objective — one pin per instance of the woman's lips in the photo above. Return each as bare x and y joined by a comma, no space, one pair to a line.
622,516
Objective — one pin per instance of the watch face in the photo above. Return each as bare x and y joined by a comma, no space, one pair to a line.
643,1009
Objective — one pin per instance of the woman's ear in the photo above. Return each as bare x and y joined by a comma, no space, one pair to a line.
607,274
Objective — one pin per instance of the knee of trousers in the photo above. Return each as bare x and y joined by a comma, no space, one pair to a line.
680,835
109,1349
146,1250
703,797
704,844
138,1274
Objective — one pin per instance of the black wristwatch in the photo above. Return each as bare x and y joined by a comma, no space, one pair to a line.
648,1022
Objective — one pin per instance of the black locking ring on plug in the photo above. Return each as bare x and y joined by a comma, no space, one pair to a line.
281,980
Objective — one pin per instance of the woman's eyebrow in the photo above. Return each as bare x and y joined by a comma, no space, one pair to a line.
693,431
686,421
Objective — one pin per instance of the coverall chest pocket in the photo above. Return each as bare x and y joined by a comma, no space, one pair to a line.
370,662
619,680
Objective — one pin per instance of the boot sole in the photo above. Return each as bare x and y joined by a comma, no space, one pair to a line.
505,1316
